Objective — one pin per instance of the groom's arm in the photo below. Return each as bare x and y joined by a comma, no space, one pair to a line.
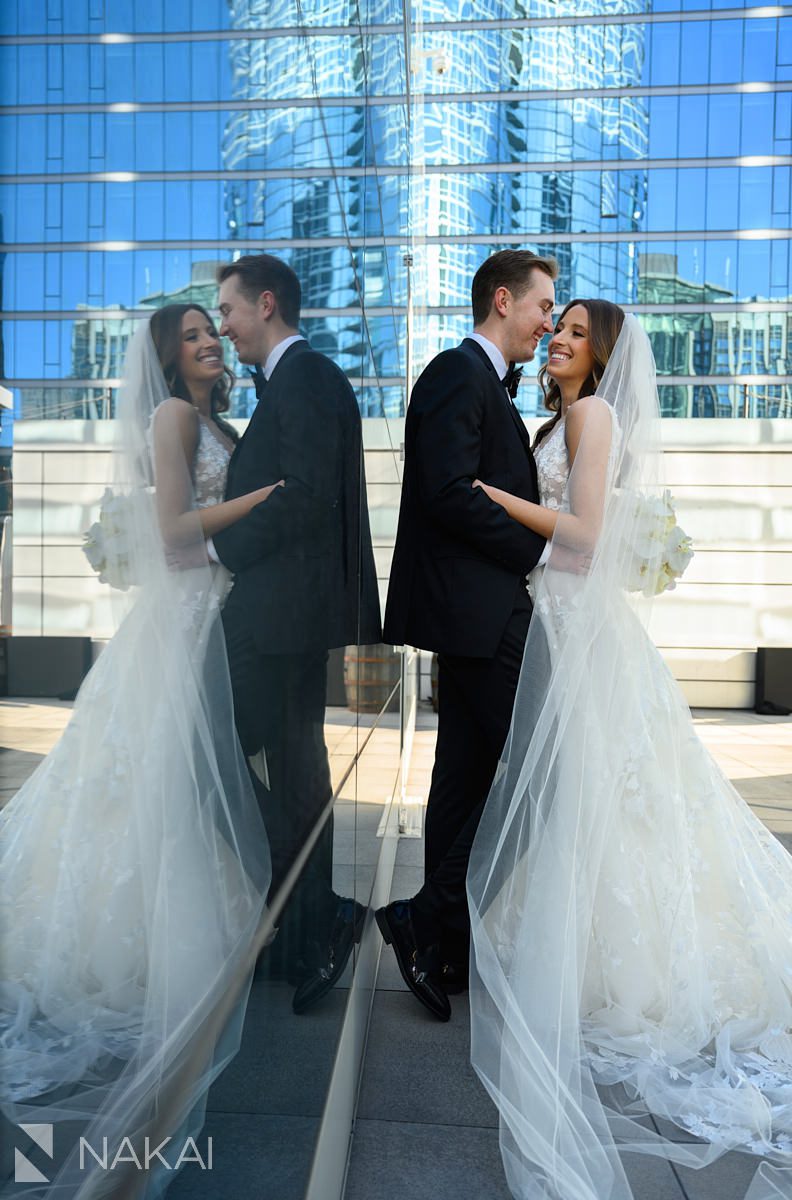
299,514
450,411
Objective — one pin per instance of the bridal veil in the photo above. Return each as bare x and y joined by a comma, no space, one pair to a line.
631,989
135,862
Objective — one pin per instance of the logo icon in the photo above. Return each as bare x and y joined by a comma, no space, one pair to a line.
24,1170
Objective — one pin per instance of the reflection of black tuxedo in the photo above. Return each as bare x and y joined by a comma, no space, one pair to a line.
304,582
457,586
303,564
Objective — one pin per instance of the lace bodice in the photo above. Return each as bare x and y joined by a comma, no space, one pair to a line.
552,464
552,468
211,468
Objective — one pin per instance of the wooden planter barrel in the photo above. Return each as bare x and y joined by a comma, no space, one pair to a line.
370,673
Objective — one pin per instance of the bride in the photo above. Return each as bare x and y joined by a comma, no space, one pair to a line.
632,919
134,862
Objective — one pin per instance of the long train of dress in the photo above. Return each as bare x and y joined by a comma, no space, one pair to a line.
135,870
632,918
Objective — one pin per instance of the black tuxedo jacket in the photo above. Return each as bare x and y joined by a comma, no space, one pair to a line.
304,577
459,560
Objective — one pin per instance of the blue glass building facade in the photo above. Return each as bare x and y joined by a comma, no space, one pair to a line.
385,150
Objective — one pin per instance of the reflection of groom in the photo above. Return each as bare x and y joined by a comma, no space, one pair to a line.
304,582
458,586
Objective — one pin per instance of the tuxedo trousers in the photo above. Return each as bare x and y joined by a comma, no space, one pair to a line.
475,702
279,706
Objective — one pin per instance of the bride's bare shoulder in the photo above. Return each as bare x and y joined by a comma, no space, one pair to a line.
589,420
175,424
175,415
587,406
175,409
588,410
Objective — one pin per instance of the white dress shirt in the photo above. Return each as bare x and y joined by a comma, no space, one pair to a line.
277,353
493,353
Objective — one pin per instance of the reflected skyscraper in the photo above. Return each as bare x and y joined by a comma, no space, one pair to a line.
521,110
304,157
385,151
331,158
713,343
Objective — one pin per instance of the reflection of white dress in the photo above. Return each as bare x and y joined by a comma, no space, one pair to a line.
121,895
686,984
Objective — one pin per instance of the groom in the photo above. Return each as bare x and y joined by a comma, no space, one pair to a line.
458,587
304,582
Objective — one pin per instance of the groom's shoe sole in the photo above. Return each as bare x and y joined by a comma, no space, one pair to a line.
400,936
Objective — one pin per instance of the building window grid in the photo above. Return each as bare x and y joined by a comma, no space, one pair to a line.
749,133
455,199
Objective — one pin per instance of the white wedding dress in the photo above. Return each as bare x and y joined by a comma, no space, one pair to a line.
691,941
632,918
135,869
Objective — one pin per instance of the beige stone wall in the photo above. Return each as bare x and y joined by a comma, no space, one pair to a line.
732,481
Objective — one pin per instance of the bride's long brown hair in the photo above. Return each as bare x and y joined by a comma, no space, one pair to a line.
605,324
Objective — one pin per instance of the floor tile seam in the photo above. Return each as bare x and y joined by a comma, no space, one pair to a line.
424,1124
244,1112
683,1190
748,760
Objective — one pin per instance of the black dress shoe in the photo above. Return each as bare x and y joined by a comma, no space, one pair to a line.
455,978
419,965
327,962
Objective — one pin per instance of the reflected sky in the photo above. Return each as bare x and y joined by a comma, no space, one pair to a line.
81,16
671,53
616,182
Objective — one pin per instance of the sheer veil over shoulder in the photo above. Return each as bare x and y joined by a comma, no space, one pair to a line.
631,918
135,863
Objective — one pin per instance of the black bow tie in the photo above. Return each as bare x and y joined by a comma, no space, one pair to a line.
511,380
259,379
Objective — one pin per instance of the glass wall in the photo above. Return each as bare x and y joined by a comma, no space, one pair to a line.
109,214
383,150
648,149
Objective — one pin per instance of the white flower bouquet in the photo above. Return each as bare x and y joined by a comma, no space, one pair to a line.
107,543
659,549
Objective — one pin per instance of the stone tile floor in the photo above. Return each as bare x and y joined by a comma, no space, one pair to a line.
264,1111
425,1126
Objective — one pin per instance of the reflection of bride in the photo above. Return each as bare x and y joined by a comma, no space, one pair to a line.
632,919
135,865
